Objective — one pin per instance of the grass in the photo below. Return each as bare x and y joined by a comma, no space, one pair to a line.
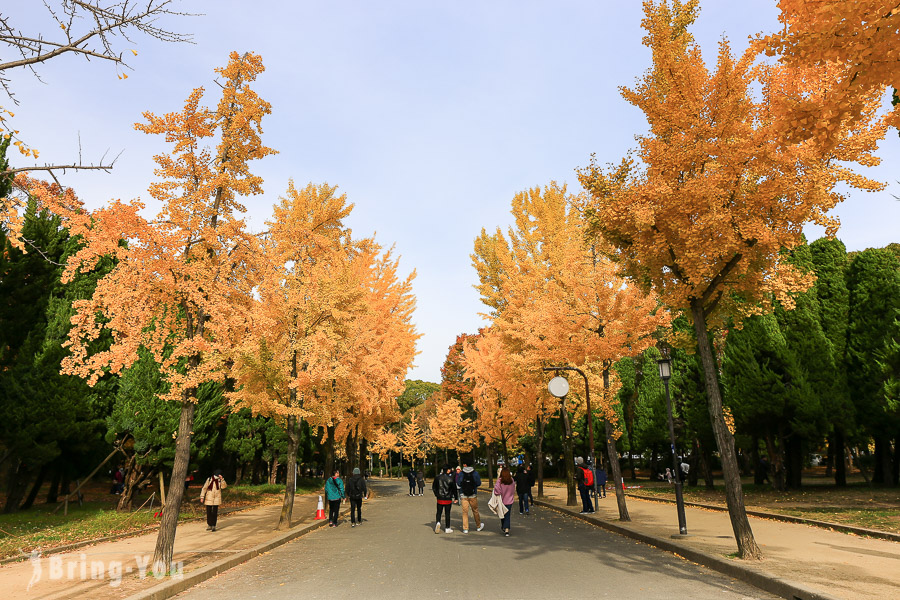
857,504
39,528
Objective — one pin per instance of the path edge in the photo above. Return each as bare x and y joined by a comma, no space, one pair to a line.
768,583
176,586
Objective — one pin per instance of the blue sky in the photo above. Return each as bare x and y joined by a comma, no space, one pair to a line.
430,116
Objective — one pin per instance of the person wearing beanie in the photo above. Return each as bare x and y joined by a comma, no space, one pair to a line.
356,491
587,506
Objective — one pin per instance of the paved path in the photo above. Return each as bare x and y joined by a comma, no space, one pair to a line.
396,554
838,564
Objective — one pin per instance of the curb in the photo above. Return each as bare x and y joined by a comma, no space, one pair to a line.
171,588
768,583
112,538
873,533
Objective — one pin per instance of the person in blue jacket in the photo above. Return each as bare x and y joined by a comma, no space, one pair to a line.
334,493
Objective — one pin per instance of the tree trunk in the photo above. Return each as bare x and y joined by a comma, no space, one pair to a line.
165,540
19,476
706,463
654,463
539,428
882,473
836,447
794,447
895,463
734,494
569,453
329,451
53,492
693,474
490,466
776,463
287,507
829,458
612,452
42,474
134,476
239,476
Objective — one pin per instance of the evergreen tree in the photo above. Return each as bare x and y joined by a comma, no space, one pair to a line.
829,258
873,280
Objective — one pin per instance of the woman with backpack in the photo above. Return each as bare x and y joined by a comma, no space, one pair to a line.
356,491
506,489
584,477
334,493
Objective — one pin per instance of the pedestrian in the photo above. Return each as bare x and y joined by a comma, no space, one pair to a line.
685,468
456,479
468,481
119,481
530,485
444,488
211,497
411,478
669,476
356,491
420,481
587,507
601,481
334,493
522,488
506,489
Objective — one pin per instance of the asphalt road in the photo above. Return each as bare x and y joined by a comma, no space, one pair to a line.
396,554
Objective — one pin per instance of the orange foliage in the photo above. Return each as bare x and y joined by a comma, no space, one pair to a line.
856,41
719,198
179,287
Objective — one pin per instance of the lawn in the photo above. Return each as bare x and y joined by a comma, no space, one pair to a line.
39,528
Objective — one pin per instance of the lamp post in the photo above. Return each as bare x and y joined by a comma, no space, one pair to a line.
559,387
665,373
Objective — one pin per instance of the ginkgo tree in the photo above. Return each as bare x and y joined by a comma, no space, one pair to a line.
705,216
305,288
179,284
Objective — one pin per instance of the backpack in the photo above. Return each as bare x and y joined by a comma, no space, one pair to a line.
467,485
588,477
354,487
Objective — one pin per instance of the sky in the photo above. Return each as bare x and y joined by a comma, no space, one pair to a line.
429,116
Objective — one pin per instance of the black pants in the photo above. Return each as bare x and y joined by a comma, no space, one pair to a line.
334,508
356,510
212,515
586,504
412,488
443,508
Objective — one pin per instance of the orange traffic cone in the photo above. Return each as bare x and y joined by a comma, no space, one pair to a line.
320,510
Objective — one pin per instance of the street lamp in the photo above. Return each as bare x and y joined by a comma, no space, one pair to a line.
665,373
559,387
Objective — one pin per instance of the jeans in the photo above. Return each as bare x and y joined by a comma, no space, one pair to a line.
523,502
443,508
212,515
334,508
465,503
356,510
504,522
586,504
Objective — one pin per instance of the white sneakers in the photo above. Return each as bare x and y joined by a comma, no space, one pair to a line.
448,530
437,527
465,531
480,527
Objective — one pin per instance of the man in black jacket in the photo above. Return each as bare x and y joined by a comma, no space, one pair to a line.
584,490
356,491
444,488
523,487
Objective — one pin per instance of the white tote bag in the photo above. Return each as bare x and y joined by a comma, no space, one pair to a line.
496,505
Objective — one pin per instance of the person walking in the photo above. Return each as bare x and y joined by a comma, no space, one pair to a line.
356,491
444,488
506,489
601,481
456,498
530,485
420,481
467,482
334,492
411,478
522,489
584,490
211,497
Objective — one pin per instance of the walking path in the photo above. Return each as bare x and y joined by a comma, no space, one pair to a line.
836,565
62,575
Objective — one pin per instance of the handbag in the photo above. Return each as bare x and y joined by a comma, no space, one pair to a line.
496,505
